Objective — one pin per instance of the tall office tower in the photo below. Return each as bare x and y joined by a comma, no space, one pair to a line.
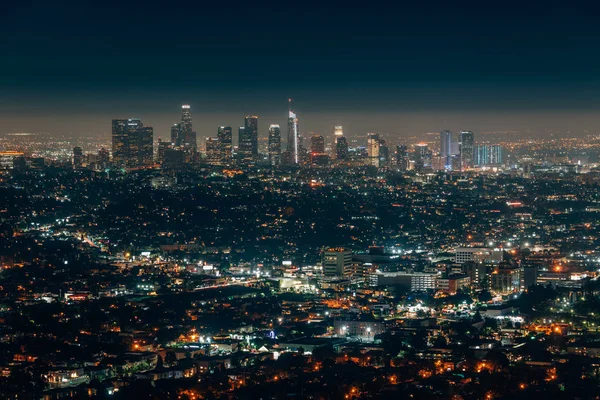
336,262
77,157
496,154
292,137
225,136
132,143
274,145
213,151
341,148
373,149
446,148
402,157
317,144
422,156
187,135
120,141
174,159
467,150
384,153
175,137
162,147
145,154
338,132
248,139
244,149
489,154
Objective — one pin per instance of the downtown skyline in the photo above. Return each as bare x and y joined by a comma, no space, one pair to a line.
401,69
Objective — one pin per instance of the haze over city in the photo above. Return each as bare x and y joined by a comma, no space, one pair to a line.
395,68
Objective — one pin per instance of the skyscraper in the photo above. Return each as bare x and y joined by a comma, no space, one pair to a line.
402,157
341,148
182,133
188,136
175,138
132,143
338,132
274,145
120,141
213,151
317,144
373,149
248,139
467,149
446,149
422,156
489,154
224,134
292,137
77,157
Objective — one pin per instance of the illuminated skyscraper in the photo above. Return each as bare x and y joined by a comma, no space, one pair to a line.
274,145
373,149
225,137
248,139
213,151
182,133
317,144
292,137
467,150
175,138
489,154
341,148
446,149
422,156
338,132
188,137
132,143
77,157
402,157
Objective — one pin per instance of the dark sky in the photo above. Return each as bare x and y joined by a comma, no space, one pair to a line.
372,66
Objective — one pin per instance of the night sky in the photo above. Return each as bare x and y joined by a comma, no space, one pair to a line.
72,66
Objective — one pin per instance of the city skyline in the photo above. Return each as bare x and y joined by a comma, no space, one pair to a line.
400,69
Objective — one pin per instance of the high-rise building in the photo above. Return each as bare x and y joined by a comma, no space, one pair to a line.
174,159
213,151
338,132
77,157
341,148
292,136
317,144
489,154
182,133
188,136
225,137
467,150
317,151
132,143
384,153
175,138
336,262
446,149
402,159
422,156
274,145
373,149
160,152
120,141
248,139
